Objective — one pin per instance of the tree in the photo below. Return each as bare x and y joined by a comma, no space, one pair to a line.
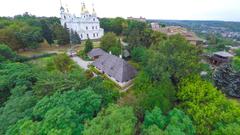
176,56
46,32
19,105
206,105
113,120
236,63
88,46
109,42
6,53
63,63
151,94
61,34
13,75
175,123
139,54
75,39
227,80
84,102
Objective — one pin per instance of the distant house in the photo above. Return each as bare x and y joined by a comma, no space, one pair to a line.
117,69
173,30
221,57
96,53
141,19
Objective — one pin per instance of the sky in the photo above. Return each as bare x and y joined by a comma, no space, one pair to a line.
227,10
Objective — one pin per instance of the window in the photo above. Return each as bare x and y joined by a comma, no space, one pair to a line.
86,27
87,36
93,19
81,36
93,34
96,27
93,27
97,34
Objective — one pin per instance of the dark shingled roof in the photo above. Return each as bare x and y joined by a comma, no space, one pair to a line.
96,52
115,67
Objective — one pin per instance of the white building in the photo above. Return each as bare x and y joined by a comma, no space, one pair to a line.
87,26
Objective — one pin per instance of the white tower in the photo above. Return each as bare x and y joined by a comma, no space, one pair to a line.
87,26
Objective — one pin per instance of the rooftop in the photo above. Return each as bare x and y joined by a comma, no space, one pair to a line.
96,52
223,54
115,67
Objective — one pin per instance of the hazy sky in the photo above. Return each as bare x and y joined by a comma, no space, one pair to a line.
228,10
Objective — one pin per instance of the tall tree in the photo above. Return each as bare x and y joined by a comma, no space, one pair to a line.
88,46
113,120
47,32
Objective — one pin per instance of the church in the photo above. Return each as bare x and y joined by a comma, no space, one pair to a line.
87,25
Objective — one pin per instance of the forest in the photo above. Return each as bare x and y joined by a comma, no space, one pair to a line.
54,96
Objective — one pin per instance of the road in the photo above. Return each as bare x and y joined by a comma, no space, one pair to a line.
81,62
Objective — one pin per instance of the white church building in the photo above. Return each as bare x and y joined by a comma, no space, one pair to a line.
87,25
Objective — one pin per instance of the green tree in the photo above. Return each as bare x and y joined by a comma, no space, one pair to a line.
19,105
6,53
61,34
175,123
47,32
236,63
202,101
150,94
84,102
63,63
88,46
109,42
75,39
175,56
113,120
139,54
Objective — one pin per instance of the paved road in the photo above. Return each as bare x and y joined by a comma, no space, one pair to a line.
81,62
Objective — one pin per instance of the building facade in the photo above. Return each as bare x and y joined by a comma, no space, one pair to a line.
87,25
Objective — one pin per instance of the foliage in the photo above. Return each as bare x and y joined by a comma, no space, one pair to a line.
84,102
13,75
27,31
50,82
18,106
74,38
109,42
151,94
227,80
202,101
47,32
62,35
175,123
6,53
115,25
236,63
113,120
63,63
88,46
139,54
176,57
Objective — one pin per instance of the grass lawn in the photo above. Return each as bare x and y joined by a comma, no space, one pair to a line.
45,48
